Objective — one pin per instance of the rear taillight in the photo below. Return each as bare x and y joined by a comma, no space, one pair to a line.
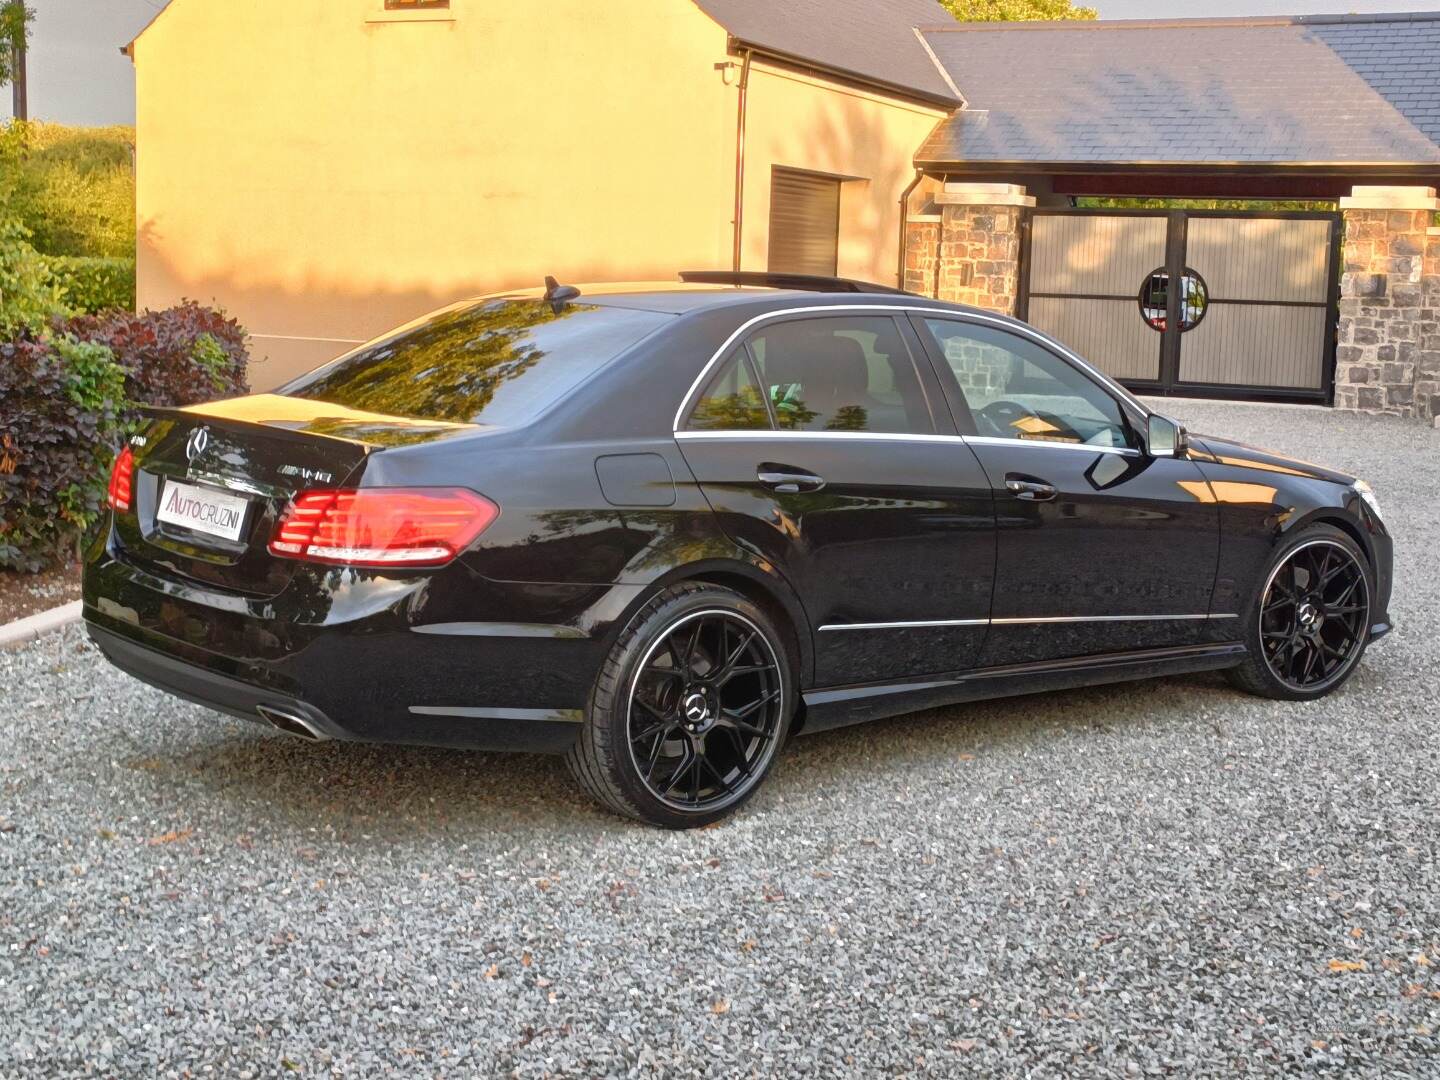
381,526
122,480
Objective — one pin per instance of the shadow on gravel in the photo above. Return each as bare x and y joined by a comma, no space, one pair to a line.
394,791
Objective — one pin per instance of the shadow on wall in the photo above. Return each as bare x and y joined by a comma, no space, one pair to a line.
304,308
298,324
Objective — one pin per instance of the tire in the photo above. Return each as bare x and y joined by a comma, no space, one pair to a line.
1286,661
699,670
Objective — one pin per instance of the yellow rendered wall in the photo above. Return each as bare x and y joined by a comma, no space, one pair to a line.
324,176
325,170
802,122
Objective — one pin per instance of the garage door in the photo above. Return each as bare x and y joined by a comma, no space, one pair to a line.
804,223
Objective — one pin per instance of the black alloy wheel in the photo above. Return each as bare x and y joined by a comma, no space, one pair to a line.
689,713
1313,618
1314,614
704,712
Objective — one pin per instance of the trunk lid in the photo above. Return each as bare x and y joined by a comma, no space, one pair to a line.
250,455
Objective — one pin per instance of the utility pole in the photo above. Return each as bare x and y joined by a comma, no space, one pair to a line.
17,78
14,30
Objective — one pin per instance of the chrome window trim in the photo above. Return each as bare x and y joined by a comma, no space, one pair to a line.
1020,621
881,436
785,433
1013,326
992,440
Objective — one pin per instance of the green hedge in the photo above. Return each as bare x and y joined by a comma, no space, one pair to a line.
93,285
73,188
64,416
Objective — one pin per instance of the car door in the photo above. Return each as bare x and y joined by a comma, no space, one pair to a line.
1101,546
824,445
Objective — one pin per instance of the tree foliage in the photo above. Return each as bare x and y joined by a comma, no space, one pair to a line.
1016,10
15,20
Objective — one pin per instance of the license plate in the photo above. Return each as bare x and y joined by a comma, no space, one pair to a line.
203,510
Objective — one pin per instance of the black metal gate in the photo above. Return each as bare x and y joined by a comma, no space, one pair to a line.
1206,303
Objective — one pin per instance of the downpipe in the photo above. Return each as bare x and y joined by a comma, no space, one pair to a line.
738,252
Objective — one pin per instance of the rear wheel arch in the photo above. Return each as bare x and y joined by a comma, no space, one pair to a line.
766,589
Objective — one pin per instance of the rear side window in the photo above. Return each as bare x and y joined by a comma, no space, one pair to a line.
732,401
843,373
498,362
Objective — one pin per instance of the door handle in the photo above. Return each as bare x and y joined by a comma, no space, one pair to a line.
1028,488
788,480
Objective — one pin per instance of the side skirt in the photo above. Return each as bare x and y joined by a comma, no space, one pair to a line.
838,706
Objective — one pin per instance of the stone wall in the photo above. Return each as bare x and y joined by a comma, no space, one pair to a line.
968,253
1388,338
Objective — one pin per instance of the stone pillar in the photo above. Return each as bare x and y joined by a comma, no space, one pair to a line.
1427,375
970,252
922,254
1388,348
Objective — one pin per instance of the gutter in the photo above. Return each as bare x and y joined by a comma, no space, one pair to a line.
845,75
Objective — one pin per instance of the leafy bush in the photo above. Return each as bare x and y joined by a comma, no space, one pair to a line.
29,293
62,422
180,356
94,284
74,187
70,396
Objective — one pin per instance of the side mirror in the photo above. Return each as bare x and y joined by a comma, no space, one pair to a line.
1165,437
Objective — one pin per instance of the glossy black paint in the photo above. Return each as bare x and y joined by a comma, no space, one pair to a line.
601,505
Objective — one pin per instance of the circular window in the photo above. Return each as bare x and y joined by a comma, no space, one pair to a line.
1155,298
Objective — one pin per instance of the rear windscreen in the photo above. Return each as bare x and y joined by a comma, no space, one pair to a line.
498,362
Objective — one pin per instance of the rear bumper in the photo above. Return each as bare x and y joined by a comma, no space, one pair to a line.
367,657
549,731
194,683
477,727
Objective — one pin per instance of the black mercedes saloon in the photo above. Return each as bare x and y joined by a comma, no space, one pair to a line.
662,529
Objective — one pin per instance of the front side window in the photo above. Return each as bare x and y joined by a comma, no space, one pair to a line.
1017,389
843,373
497,362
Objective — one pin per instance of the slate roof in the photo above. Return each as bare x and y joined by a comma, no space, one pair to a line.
1338,89
874,40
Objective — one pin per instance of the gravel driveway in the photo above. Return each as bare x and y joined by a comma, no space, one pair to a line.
1153,879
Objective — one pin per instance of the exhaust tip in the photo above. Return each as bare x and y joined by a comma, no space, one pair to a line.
290,723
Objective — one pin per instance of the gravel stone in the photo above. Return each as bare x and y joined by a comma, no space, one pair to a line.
1156,879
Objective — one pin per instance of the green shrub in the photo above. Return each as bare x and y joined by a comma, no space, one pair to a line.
61,425
94,284
29,293
74,187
